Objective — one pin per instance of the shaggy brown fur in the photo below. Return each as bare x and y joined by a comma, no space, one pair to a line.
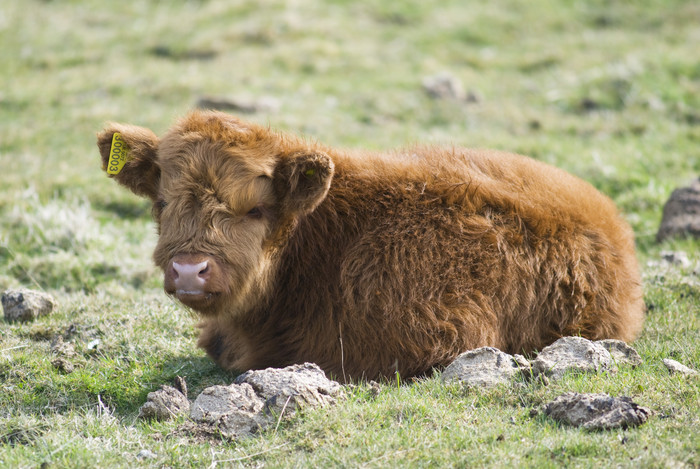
368,263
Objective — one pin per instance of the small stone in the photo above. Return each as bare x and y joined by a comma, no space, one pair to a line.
676,367
596,411
676,258
70,331
444,86
681,214
26,305
374,388
164,404
181,385
64,352
621,352
292,387
63,365
522,362
473,97
146,454
235,410
572,354
239,104
62,349
482,367
93,344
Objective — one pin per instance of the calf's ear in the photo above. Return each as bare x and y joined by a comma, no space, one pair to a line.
301,181
129,156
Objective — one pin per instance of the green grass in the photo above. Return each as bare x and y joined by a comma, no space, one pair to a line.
608,90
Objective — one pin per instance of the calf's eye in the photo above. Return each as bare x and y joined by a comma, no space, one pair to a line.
255,212
158,207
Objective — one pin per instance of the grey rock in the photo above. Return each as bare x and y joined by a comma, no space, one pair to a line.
235,410
473,97
93,344
146,454
676,367
522,362
293,387
26,305
444,86
483,367
375,389
164,404
676,258
596,411
181,385
65,355
63,365
62,349
621,352
572,354
245,105
681,214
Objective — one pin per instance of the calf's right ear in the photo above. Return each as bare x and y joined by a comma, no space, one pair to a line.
130,157
301,180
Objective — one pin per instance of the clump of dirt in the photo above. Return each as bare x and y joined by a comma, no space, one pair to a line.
681,215
24,305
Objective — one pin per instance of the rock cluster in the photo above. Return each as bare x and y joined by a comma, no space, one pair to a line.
255,400
260,398
487,366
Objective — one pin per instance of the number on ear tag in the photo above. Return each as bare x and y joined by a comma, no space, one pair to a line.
118,154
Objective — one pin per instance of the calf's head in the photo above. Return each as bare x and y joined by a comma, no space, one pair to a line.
224,195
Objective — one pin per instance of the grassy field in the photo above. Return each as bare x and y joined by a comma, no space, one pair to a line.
608,90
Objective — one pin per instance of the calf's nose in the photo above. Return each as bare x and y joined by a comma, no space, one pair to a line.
190,277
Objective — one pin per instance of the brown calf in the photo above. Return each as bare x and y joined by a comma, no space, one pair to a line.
369,263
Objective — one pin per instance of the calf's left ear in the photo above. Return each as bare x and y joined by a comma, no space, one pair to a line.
129,156
301,181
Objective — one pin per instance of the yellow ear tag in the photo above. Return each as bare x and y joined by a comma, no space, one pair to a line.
309,172
118,154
